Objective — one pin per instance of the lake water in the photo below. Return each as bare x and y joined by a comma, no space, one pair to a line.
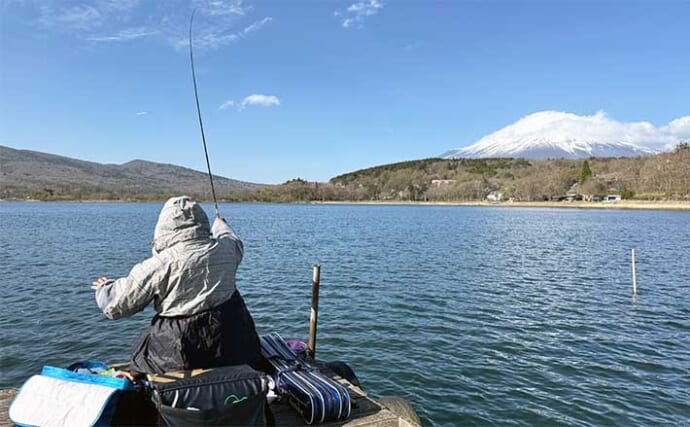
478,316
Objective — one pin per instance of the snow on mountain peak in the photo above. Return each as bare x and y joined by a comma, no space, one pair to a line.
556,134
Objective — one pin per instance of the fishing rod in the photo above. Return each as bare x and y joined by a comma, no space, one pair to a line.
198,111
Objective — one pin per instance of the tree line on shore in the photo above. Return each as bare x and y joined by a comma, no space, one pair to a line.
664,176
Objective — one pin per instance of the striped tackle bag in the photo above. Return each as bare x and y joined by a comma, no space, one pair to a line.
315,396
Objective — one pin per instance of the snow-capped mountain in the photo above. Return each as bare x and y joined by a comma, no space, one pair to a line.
554,134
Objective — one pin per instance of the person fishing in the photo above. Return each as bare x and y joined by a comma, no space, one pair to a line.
201,319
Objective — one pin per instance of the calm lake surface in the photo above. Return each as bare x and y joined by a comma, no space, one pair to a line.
478,316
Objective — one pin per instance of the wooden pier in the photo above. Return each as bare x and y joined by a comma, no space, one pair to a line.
366,412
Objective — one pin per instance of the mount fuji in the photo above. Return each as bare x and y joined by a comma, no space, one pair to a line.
554,134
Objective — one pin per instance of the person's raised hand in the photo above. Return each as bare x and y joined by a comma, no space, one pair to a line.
99,282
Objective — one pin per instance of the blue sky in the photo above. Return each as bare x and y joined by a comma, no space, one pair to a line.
314,88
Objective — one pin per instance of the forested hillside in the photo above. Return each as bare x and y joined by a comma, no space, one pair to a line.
664,176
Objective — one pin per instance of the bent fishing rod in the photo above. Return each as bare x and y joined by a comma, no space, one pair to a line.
198,111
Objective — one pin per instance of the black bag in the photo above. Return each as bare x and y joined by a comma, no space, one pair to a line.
231,395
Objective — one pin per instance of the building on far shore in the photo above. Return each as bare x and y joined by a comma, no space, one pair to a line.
612,198
494,196
442,182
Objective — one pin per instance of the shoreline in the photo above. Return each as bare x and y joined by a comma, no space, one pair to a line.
671,205
622,205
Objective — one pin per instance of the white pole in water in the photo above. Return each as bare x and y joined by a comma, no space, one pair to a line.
633,274
314,309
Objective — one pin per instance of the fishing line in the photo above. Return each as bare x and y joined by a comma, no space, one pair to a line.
198,111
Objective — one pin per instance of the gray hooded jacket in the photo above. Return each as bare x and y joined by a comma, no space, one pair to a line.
192,268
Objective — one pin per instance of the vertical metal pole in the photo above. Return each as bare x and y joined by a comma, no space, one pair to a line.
634,278
314,310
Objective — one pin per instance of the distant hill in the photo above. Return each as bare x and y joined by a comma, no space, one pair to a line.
31,174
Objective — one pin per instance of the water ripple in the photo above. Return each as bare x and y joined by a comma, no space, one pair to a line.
514,317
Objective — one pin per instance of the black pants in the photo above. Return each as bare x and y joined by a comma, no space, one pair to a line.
222,336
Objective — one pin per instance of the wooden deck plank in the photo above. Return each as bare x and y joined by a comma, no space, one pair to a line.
6,396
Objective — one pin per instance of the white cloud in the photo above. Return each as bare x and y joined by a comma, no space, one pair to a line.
254,99
356,13
365,8
222,7
256,26
141,113
78,17
117,5
217,22
124,35
227,104
262,100
206,40
209,39
679,127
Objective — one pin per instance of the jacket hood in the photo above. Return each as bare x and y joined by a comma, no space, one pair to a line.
181,219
